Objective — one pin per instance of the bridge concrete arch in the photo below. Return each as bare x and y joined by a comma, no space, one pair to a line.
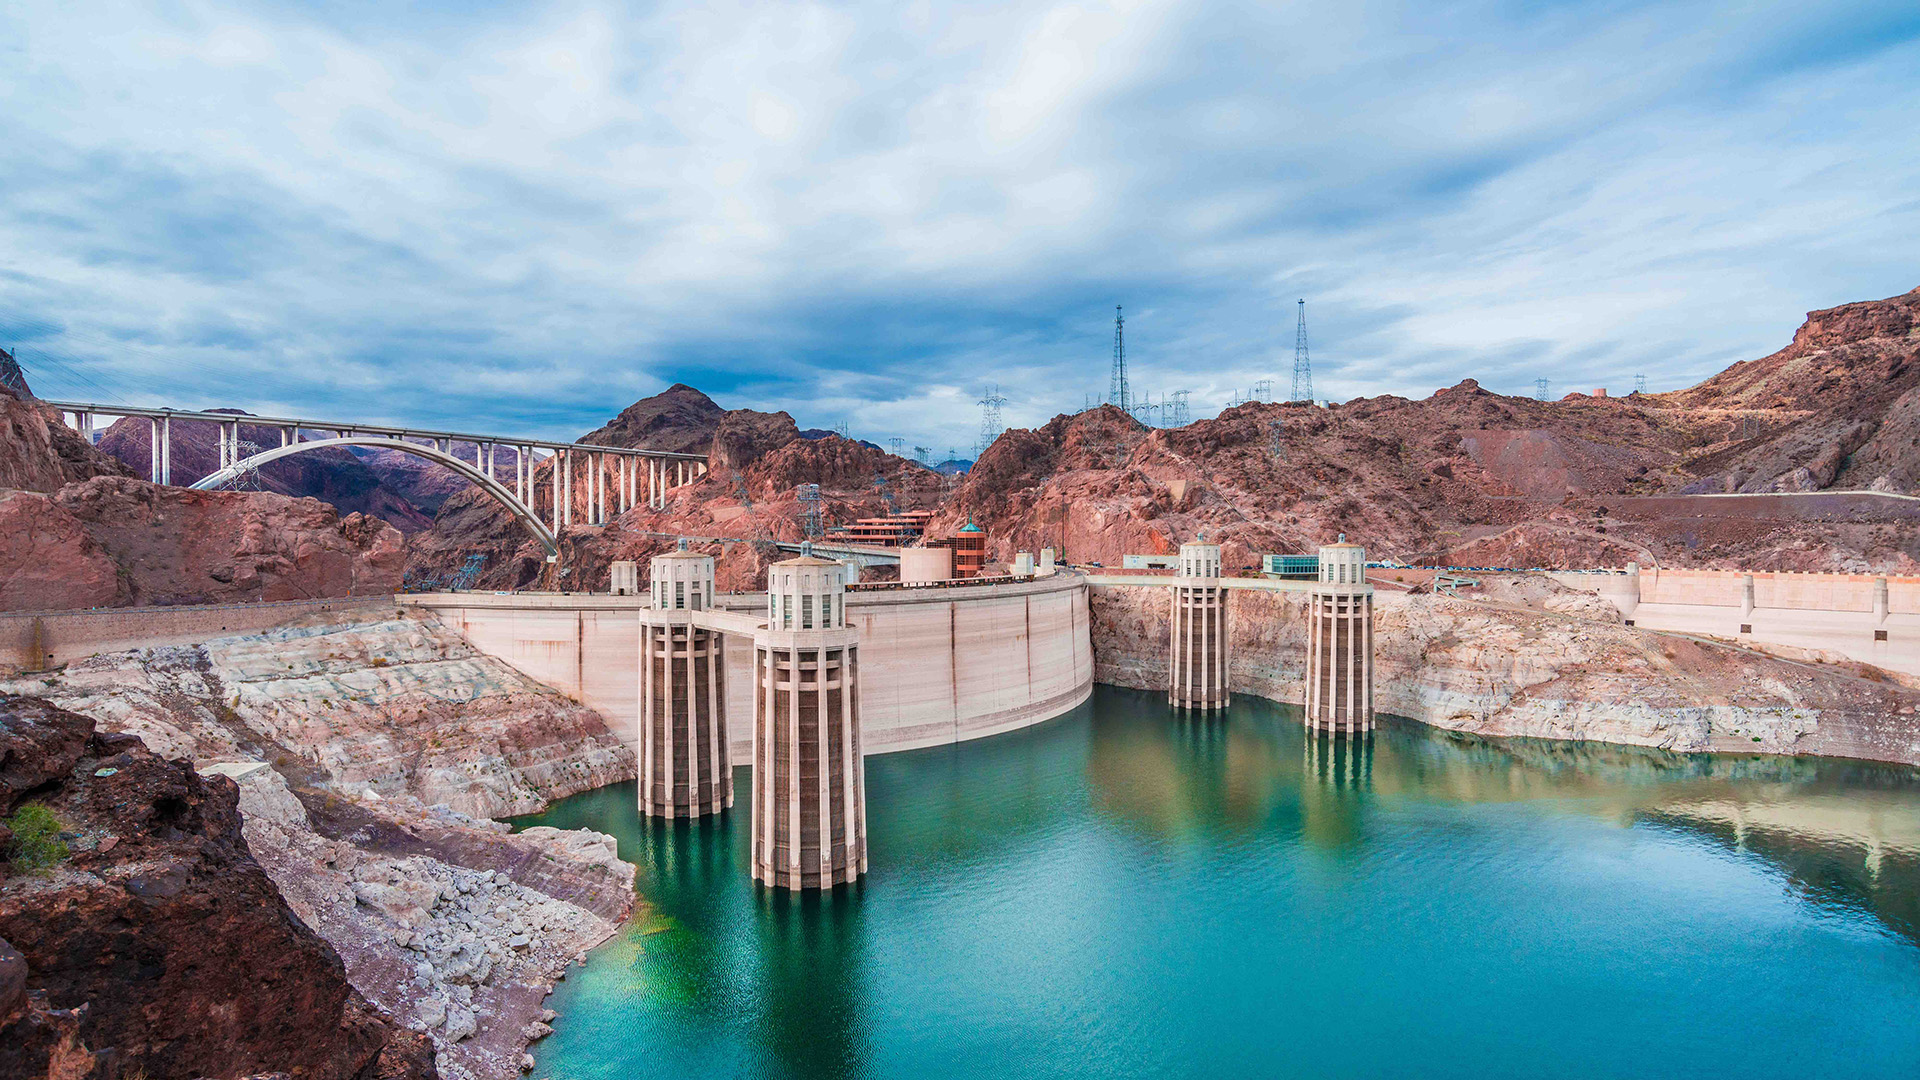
527,518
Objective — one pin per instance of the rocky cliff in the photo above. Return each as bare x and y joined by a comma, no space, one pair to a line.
158,946
113,542
39,453
370,756
1505,669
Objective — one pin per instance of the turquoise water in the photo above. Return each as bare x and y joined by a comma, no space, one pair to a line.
1122,892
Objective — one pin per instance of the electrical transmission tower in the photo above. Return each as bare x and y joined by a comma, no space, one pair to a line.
1173,410
990,426
1117,383
249,478
11,376
1262,390
1639,384
923,454
895,445
1302,368
1146,411
1540,389
809,495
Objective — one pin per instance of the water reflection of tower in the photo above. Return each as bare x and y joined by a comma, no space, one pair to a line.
813,1020
1340,763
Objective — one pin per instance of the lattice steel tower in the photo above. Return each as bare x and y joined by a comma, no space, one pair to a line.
1302,368
990,425
1117,383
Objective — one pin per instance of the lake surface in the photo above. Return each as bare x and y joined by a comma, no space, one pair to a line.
1124,892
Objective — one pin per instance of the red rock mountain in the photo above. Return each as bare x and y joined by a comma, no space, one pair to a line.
39,453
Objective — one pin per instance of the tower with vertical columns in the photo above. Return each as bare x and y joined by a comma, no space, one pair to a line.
1340,642
809,786
684,765
1197,664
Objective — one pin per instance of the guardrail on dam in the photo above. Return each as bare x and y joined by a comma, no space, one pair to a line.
938,665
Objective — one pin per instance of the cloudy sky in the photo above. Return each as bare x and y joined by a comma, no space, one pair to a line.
521,217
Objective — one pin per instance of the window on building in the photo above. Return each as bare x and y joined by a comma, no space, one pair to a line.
679,594
806,612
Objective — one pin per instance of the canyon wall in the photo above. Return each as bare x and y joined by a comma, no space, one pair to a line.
1498,669
112,541
369,756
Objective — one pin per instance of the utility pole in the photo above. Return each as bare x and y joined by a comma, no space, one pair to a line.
1117,382
1302,367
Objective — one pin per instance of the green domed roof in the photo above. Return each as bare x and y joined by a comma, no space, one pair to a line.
970,527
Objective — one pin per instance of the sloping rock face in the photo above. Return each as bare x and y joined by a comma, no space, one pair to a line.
115,542
1838,407
368,756
400,706
160,946
333,475
39,453
1505,669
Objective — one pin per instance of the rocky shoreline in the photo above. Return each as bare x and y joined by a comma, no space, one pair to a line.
1508,669
369,759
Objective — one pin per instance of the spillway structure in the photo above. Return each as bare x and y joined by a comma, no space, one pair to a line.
1197,657
809,782
685,771
1340,642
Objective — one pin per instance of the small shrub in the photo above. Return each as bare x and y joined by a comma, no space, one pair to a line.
36,839
380,661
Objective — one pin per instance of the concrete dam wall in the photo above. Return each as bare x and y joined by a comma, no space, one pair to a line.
1874,619
938,665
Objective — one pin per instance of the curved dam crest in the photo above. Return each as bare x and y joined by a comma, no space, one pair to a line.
938,665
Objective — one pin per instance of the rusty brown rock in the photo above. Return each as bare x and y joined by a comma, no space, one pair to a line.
115,541
173,952
39,453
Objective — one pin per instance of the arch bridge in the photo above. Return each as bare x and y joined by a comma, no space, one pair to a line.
615,478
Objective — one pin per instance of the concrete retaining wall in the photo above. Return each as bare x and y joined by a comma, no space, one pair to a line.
936,665
36,640
1831,613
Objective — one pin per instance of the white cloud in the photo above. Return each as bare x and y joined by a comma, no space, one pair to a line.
869,210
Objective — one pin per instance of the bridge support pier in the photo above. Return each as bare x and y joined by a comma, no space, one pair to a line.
809,786
1197,658
1340,643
